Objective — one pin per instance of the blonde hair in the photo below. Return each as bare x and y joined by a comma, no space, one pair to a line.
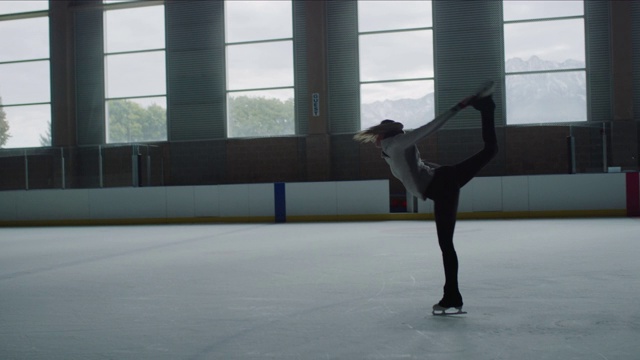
384,128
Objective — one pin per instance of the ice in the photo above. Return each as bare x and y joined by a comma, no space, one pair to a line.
533,289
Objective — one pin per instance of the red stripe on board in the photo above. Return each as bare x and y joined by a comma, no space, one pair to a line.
633,194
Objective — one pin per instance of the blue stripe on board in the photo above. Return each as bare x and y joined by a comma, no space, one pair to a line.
280,202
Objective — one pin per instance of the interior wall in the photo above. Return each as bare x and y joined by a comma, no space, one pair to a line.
323,151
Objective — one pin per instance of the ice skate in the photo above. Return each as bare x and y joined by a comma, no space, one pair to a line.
449,302
440,310
483,91
484,104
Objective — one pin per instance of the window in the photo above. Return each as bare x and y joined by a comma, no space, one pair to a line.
544,61
259,58
396,62
25,90
135,74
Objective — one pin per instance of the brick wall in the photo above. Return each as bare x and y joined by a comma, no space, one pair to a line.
85,168
43,169
13,173
589,147
345,158
264,160
523,151
195,163
536,150
44,172
624,144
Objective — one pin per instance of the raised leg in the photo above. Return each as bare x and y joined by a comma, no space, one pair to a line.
468,168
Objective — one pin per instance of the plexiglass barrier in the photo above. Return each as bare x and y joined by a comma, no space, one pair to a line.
593,147
99,166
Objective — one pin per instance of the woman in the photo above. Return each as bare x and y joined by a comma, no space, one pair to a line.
441,184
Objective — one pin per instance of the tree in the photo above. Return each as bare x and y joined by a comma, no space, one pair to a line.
129,122
4,126
249,117
45,139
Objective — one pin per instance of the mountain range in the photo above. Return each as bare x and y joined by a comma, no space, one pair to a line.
530,98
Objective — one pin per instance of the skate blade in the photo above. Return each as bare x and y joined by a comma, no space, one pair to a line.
443,312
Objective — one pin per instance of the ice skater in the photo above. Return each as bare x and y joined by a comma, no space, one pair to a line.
441,184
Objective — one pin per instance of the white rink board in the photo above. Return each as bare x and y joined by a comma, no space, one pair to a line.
127,203
577,192
541,193
243,200
337,198
312,198
370,197
261,200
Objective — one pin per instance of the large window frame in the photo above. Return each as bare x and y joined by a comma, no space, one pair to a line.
516,80
34,107
133,102
274,98
391,85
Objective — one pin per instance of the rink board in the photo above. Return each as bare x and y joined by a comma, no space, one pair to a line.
611,194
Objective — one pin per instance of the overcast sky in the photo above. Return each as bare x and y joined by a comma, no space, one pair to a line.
382,57
555,41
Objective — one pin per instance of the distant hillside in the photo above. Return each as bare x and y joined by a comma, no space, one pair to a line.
540,98
552,97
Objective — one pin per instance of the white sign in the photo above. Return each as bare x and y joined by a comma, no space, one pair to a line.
315,100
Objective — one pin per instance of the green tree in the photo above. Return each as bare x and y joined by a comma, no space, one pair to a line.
257,117
129,122
4,126
45,139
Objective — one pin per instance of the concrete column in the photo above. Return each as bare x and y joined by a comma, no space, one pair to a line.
624,141
621,59
63,121
318,144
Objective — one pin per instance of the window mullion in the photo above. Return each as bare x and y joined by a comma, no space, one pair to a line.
545,71
537,20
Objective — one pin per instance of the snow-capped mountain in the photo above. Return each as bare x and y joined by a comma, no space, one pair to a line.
546,97
531,98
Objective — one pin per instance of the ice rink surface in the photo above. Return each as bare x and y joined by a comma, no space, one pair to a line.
534,289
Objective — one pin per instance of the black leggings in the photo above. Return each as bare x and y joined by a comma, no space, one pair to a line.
444,190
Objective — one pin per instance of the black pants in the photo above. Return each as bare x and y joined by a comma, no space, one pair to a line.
444,190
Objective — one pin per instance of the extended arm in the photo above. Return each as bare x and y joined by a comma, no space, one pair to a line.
412,137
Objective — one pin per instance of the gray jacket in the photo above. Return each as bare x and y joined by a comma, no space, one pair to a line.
403,157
